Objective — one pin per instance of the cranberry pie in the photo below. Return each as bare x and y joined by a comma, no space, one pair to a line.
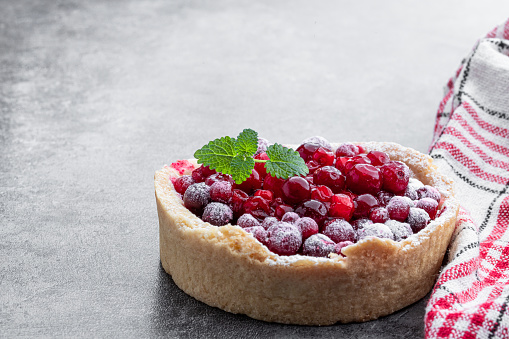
361,236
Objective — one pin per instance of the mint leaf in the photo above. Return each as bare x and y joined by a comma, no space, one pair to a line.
284,162
247,143
218,154
241,168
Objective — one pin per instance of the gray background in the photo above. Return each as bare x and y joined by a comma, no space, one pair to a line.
95,96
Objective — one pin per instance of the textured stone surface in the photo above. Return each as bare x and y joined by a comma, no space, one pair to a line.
95,96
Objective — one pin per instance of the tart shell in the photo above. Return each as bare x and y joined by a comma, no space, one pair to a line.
228,268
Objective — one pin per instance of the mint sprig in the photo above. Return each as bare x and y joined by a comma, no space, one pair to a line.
235,157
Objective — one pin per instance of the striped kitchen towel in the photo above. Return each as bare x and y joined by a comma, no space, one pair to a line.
471,146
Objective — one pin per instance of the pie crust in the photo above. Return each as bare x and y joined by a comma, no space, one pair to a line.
228,268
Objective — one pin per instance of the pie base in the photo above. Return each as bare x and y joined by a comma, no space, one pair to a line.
228,268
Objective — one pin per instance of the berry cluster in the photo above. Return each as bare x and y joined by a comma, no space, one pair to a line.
348,195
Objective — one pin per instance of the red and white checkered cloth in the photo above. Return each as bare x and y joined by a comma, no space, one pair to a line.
471,145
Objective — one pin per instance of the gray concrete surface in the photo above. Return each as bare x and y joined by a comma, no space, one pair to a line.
97,95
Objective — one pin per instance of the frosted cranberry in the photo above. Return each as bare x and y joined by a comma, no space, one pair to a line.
331,177
341,206
377,231
428,192
263,144
247,220
323,157
307,227
321,141
395,176
295,190
273,184
269,221
284,239
290,217
265,194
252,183
312,166
363,205
364,178
378,158
321,193
221,191
384,197
400,230
338,248
182,183
379,215
418,219
257,207
360,223
217,214
398,208
307,150
281,210
411,193
341,162
318,245
198,175
429,205
357,160
347,149
258,232
339,230
196,197
313,209
218,177
260,166
237,202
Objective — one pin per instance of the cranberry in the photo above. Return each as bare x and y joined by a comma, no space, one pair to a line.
379,215
312,166
273,184
357,160
290,217
313,209
361,223
295,190
263,144
364,178
258,232
321,141
318,245
398,208
341,162
182,183
218,177
269,221
247,220
257,206
198,175
237,202
281,210
363,205
207,171
217,214
347,149
384,197
395,176
307,227
378,158
377,231
418,219
341,206
307,150
338,248
196,197
429,192
411,193
221,191
331,177
429,205
284,239
321,193
265,194
260,166
323,157
400,230
252,183
339,230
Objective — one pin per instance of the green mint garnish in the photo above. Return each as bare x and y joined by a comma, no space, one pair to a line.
235,157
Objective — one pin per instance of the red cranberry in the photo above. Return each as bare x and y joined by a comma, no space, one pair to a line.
428,192
221,191
284,239
398,208
260,166
265,194
207,171
329,176
252,183
364,178
323,157
418,219
281,210
258,232
247,220
378,158
339,230
363,205
307,227
196,197
400,230
347,149
218,177
237,202
321,193
357,160
341,206
295,190
318,245
379,215
198,175
182,183
269,221
395,176
273,184
429,205
312,166
257,207
341,162
307,150
217,214
313,209
338,248
384,197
